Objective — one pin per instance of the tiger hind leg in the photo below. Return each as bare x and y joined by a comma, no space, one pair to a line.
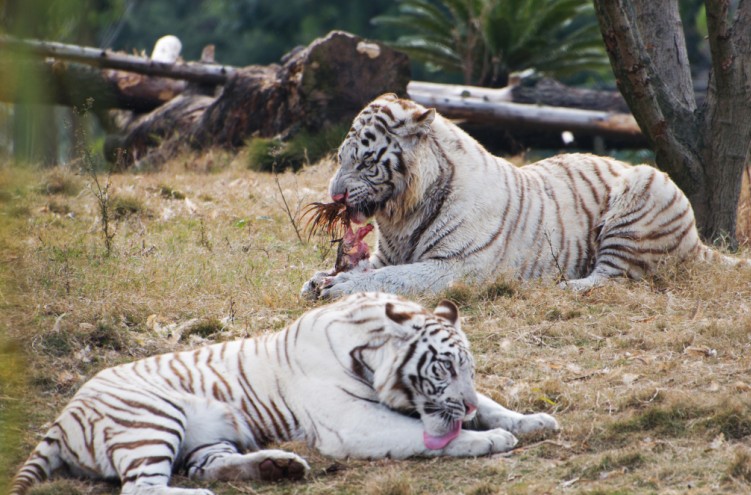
222,462
150,475
166,490
648,220
595,279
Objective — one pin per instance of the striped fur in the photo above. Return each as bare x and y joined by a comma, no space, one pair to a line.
447,209
370,376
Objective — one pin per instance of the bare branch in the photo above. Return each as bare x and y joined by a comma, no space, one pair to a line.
288,210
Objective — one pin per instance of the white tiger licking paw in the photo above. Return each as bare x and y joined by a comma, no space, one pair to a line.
410,368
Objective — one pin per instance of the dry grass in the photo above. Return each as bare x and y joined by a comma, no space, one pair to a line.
743,224
650,380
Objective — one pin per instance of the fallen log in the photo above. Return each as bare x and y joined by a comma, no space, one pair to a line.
325,83
107,59
476,110
531,90
75,85
313,87
511,119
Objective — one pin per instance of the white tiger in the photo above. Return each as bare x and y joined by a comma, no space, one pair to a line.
447,209
370,376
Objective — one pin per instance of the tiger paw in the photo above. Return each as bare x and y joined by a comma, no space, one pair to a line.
477,443
311,289
338,286
535,422
283,465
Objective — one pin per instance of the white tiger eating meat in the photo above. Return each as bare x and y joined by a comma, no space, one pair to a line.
370,376
447,209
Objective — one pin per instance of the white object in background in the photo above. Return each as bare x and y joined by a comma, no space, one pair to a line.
167,49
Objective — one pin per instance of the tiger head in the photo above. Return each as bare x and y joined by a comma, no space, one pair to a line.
432,371
374,158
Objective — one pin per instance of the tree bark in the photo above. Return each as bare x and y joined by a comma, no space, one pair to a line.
327,82
703,149
726,127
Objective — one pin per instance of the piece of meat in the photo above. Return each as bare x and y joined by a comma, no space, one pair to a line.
333,218
352,250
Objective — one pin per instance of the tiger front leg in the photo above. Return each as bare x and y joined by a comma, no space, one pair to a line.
393,435
424,276
491,415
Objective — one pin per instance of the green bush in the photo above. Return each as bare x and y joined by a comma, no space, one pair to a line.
304,148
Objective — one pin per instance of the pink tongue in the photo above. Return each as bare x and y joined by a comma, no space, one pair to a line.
436,443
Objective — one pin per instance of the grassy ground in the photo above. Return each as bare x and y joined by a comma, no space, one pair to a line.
650,380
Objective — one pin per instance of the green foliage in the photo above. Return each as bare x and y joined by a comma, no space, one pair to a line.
205,328
243,31
60,181
485,40
500,288
305,147
734,422
740,468
169,193
125,206
628,462
669,421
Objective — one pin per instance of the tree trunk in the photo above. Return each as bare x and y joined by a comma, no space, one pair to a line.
704,150
534,112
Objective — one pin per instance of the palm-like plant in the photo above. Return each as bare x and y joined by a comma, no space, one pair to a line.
485,40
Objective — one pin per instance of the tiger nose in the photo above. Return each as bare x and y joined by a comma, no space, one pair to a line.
339,198
469,408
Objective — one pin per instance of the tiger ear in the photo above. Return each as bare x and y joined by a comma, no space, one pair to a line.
388,97
419,122
403,322
448,311
416,123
